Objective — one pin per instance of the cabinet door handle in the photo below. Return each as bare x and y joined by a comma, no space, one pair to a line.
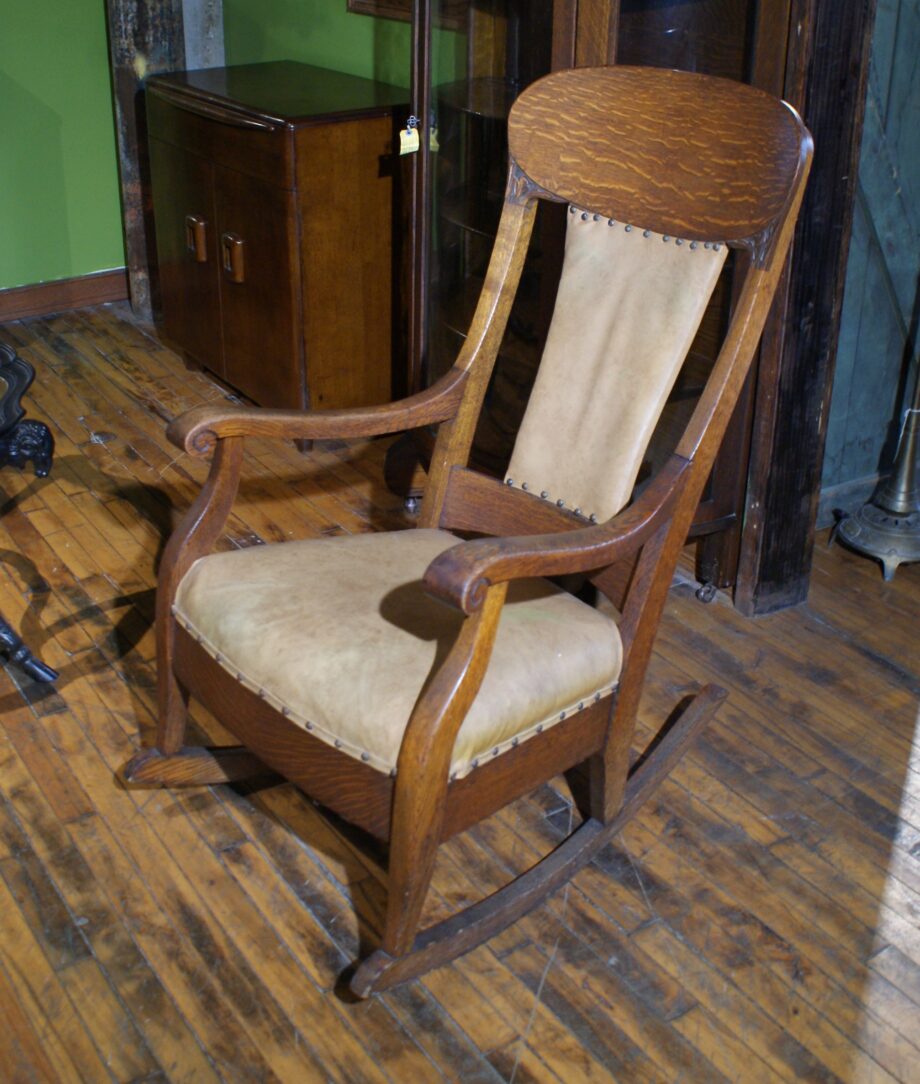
234,266
196,237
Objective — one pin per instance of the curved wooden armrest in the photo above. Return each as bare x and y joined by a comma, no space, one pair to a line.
198,430
463,574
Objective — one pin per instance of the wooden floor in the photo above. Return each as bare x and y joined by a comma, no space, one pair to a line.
758,923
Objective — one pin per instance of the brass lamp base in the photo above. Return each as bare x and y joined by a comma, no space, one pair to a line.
892,538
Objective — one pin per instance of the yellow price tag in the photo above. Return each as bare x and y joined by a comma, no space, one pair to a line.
408,141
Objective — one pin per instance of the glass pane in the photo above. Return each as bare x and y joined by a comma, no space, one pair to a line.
477,72
707,36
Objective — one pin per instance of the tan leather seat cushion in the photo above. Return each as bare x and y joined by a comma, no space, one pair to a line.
341,634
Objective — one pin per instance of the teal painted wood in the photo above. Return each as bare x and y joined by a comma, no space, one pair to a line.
882,272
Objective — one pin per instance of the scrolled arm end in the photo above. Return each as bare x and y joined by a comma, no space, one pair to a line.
198,430
456,580
462,575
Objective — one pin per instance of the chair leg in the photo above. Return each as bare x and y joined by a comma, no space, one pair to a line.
170,763
413,849
446,940
172,702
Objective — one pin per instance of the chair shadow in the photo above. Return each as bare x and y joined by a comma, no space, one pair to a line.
115,641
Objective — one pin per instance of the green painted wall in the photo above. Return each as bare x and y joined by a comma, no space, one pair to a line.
60,213
320,32
325,33
59,205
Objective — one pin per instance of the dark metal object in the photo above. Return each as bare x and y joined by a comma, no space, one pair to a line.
706,592
28,440
21,441
17,652
888,526
18,376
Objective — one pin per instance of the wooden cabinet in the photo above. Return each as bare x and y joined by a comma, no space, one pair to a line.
274,206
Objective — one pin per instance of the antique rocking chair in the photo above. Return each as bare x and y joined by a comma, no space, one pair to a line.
414,682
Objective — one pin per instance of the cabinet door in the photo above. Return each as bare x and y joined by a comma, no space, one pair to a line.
186,235
259,289
345,189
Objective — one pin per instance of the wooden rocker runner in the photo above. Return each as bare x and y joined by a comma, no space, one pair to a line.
414,682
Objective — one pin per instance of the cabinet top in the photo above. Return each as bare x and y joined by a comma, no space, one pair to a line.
283,91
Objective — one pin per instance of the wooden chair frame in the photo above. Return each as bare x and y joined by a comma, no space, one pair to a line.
630,558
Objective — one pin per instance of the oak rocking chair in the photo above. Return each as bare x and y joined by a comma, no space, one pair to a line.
415,682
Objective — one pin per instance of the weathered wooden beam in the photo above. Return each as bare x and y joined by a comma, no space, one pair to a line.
793,398
146,37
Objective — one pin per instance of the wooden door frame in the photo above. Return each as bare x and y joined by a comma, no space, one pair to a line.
147,37
826,80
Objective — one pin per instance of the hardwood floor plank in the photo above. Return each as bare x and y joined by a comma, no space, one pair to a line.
756,922
23,1055
66,1041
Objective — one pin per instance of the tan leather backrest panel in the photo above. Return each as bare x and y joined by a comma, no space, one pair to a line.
629,305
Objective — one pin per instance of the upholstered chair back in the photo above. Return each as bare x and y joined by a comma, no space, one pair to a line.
629,304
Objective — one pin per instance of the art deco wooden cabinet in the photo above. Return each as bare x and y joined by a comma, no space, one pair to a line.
274,206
